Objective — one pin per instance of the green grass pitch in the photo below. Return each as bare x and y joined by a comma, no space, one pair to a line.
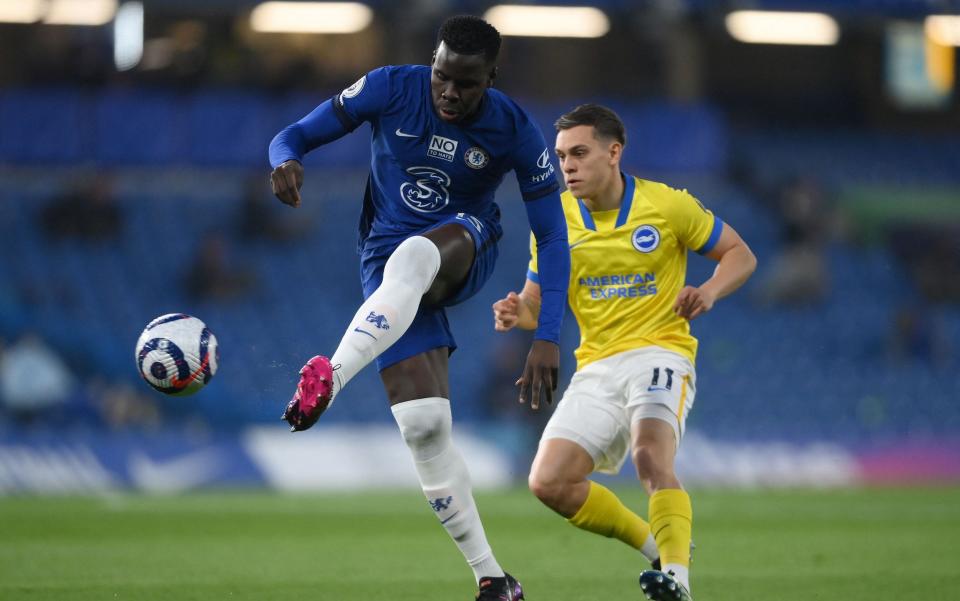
854,545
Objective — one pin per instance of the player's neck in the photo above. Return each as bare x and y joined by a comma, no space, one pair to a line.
609,197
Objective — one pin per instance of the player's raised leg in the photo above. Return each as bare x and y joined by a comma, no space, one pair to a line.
379,322
423,269
559,478
387,313
426,268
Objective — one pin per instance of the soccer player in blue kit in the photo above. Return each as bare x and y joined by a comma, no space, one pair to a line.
442,142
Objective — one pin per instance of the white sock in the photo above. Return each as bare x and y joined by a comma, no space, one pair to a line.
426,426
649,548
682,573
389,311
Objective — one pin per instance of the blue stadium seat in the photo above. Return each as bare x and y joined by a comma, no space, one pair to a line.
44,125
139,127
228,128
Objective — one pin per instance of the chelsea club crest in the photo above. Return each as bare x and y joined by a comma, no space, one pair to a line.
476,158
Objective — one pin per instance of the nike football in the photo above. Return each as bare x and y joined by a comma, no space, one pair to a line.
177,354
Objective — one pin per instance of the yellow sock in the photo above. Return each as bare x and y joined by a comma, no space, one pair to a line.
671,518
603,513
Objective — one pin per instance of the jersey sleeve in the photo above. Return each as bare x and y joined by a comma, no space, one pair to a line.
319,127
531,161
695,225
549,225
332,119
532,273
364,100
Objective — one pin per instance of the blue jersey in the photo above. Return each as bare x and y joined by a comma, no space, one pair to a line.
425,170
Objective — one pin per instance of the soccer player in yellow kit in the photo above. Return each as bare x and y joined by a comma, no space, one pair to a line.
635,381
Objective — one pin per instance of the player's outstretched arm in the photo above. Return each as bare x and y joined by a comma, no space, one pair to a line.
736,263
288,148
518,310
286,180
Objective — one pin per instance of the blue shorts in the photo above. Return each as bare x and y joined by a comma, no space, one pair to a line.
430,328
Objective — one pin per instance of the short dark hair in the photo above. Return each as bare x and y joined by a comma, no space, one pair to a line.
467,34
605,122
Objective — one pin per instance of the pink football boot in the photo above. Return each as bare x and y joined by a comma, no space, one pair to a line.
313,396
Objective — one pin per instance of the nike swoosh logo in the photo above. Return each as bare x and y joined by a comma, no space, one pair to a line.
403,135
179,384
455,513
177,474
576,244
656,389
365,332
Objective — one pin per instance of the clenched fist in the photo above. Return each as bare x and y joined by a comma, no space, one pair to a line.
286,180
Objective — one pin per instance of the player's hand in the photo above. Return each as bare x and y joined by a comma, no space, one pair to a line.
540,373
693,302
506,312
285,181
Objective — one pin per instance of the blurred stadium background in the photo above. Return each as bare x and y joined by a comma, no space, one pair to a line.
134,182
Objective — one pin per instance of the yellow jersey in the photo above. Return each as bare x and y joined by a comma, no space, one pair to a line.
628,265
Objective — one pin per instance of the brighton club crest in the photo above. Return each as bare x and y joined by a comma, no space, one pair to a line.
646,238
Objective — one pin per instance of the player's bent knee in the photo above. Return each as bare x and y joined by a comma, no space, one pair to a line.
417,259
551,492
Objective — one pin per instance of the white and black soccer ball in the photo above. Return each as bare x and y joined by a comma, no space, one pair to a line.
177,354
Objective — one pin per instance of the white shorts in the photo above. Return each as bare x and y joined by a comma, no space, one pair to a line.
607,396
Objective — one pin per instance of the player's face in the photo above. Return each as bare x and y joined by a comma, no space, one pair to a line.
587,163
457,83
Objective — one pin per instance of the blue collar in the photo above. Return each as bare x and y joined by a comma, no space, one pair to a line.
625,203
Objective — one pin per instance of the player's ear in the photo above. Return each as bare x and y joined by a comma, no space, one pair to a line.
433,57
493,76
616,152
